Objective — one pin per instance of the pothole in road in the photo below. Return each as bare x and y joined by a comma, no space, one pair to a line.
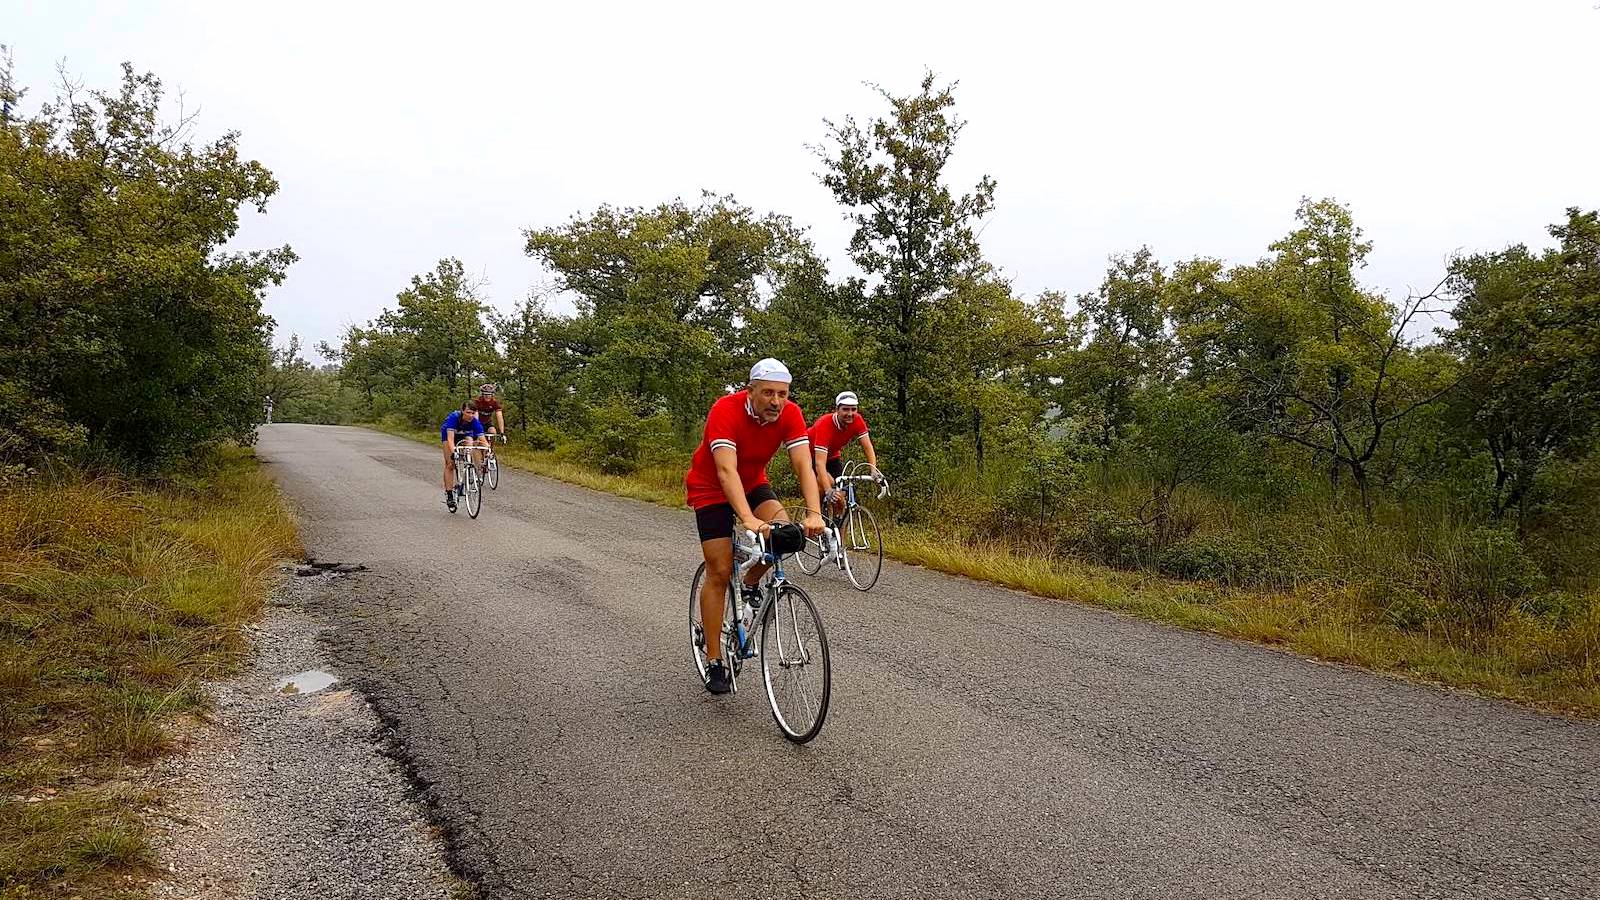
314,566
308,682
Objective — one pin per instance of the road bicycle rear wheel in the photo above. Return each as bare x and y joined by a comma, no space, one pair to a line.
863,547
697,641
474,496
794,664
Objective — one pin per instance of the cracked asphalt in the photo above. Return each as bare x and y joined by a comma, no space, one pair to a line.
981,743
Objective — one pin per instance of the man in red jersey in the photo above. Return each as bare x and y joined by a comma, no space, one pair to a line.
727,484
831,433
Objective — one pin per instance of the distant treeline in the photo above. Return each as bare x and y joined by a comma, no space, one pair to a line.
1259,423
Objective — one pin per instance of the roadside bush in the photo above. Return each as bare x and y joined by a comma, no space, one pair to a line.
1040,475
620,442
1107,536
542,436
427,404
1404,609
968,514
1480,576
1558,608
1225,557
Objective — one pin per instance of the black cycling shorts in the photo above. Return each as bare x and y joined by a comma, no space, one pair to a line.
836,466
716,521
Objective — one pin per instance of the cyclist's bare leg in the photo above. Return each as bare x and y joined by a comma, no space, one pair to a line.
713,591
449,469
488,450
768,511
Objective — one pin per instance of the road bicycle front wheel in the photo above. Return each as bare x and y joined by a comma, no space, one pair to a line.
697,635
474,491
494,474
812,555
863,547
794,664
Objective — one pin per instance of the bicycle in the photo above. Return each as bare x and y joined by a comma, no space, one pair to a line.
787,638
491,465
468,487
852,540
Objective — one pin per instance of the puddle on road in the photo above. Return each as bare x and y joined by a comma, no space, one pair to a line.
306,682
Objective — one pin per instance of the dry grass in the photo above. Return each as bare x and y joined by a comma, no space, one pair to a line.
1527,659
116,600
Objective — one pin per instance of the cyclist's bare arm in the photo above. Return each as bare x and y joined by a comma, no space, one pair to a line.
872,455
800,459
819,461
727,460
500,421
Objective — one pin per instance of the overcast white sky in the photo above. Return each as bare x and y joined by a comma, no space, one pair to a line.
402,134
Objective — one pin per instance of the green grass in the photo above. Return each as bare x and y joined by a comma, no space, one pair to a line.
1526,659
117,600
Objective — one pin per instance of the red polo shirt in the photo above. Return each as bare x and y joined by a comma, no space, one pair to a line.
827,433
731,423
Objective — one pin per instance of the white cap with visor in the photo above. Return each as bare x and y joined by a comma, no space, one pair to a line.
770,369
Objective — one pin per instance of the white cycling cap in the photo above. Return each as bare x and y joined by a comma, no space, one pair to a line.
770,369
848,398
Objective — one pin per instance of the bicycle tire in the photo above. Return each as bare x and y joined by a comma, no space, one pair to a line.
494,474
863,550
696,646
792,609
474,495
461,481
811,555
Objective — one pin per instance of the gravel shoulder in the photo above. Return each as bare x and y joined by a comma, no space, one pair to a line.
293,794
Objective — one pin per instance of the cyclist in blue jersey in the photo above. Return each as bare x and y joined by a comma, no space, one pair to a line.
460,425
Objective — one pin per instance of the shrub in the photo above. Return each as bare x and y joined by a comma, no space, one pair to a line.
1480,575
1225,557
620,441
542,436
1558,608
1107,536
971,514
428,404
1407,610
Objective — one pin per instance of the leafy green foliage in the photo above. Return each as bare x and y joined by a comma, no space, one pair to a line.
660,295
914,238
123,318
1301,353
1528,333
1265,425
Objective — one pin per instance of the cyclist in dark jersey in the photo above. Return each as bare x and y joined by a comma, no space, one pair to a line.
490,412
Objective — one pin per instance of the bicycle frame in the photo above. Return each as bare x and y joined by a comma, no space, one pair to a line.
757,552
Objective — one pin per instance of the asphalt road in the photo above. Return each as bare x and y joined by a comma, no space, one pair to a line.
981,743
